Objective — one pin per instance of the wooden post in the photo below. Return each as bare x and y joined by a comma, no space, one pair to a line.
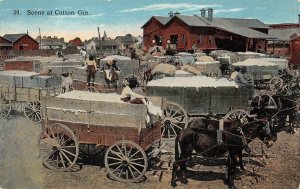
40,38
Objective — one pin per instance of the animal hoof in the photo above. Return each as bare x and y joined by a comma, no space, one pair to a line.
184,181
173,184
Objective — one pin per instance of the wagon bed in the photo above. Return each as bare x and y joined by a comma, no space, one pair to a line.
108,122
196,96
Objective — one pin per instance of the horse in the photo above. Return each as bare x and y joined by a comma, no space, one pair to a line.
276,108
203,138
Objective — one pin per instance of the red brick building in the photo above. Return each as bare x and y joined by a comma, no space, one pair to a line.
183,32
294,49
77,42
22,42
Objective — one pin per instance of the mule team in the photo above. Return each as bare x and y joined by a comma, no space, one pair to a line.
202,135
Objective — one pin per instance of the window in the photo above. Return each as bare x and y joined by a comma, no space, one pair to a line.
210,40
182,38
199,40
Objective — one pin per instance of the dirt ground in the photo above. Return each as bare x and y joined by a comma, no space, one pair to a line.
20,167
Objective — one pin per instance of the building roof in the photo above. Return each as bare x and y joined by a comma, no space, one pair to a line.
105,42
52,43
6,43
76,41
241,27
127,39
15,37
283,34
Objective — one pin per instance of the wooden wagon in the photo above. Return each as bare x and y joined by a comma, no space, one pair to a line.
25,93
198,96
259,72
120,127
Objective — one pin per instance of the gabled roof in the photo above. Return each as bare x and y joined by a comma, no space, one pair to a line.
242,27
6,42
15,37
284,34
161,19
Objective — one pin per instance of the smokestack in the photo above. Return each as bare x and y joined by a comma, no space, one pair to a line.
203,10
210,14
299,18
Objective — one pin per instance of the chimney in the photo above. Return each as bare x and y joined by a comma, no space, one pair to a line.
171,14
299,18
203,10
210,14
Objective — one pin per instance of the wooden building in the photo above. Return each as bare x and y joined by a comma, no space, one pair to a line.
5,44
184,33
22,42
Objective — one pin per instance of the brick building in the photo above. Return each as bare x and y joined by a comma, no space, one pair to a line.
294,49
22,42
183,33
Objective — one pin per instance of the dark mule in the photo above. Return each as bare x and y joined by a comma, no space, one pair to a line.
202,137
277,108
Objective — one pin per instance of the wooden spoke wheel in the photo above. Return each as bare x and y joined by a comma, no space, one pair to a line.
91,149
238,114
126,161
91,89
5,106
275,84
249,78
32,110
175,119
58,147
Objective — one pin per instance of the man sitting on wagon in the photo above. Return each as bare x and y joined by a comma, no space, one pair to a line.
238,76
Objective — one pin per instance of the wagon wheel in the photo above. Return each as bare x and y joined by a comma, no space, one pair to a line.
91,149
275,84
249,78
238,114
91,89
32,110
5,106
58,147
126,161
175,120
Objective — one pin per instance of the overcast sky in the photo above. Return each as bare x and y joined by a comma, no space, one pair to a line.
119,17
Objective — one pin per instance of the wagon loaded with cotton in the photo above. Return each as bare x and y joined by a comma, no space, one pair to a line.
259,72
125,130
198,96
23,91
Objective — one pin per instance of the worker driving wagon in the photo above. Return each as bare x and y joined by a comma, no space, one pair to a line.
238,76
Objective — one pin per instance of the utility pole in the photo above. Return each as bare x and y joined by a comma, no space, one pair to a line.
40,38
99,39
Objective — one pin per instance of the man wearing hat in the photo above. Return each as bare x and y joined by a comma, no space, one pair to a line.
91,68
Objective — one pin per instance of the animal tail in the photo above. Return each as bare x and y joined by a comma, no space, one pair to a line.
177,148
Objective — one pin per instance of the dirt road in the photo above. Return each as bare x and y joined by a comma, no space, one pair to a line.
20,167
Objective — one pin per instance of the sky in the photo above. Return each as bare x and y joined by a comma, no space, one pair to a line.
120,17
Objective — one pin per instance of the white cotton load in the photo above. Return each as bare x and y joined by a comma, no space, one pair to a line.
205,59
190,69
205,63
116,57
86,95
196,81
167,69
254,62
18,73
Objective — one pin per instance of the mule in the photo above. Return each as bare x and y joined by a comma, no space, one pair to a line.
277,108
203,139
